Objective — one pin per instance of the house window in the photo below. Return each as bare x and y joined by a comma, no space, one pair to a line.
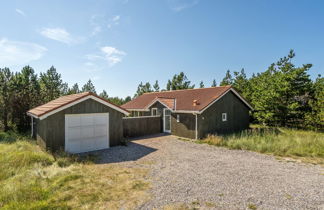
154,111
224,117
178,118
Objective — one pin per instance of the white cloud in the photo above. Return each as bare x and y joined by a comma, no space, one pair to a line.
116,18
179,5
113,55
109,54
110,51
96,30
14,53
96,22
19,11
113,21
59,34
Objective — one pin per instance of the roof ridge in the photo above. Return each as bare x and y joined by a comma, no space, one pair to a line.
187,89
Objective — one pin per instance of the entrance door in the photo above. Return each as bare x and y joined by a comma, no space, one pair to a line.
86,132
167,120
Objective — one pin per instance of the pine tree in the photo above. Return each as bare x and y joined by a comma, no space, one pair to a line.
141,89
315,118
104,95
201,84
51,85
6,77
75,89
241,84
89,87
227,80
280,94
156,86
179,82
26,95
214,84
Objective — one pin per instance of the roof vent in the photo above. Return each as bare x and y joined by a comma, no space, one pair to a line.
195,102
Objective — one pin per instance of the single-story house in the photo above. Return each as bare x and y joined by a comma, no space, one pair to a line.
78,123
195,113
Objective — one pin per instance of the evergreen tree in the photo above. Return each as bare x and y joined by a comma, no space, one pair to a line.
227,80
214,84
280,93
315,118
51,85
156,86
141,89
26,95
5,96
89,87
75,89
127,99
201,84
104,95
241,84
179,82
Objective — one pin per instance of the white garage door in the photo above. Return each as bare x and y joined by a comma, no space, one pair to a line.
86,132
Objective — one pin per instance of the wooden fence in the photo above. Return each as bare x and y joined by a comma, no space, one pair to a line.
141,126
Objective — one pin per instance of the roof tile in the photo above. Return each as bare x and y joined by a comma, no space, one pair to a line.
184,98
62,101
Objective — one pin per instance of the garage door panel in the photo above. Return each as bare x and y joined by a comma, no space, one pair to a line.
86,132
100,120
100,143
87,120
100,131
73,121
73,147
74,133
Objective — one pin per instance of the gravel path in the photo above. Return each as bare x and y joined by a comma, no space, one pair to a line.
206,176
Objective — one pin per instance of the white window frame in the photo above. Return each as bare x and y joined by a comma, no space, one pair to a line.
152,110
178,118
224,117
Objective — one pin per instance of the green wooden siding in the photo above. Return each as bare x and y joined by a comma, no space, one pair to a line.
141,126
51,130
210,121
186,127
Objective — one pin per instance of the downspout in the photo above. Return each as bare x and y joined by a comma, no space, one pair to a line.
32,126
196,126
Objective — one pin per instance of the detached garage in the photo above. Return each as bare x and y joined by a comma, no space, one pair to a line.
78,123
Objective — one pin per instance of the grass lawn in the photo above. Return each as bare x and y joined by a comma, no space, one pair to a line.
33,179
306,146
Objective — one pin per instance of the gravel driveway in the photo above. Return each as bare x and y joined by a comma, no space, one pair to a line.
204,176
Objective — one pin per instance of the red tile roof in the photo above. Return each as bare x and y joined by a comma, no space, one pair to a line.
62,101
184,99
169,102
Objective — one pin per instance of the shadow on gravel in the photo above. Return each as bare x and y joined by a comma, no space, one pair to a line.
133,151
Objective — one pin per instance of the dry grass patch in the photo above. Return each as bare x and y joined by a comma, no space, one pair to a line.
306,146
33,179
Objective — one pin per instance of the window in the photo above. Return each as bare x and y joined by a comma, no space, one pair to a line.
178,118
224,117
154,111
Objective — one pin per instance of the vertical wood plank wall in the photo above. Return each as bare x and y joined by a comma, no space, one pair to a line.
51,131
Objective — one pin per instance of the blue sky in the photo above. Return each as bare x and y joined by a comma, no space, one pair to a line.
119,43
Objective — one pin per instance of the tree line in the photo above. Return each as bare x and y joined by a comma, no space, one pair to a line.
21,91
282,95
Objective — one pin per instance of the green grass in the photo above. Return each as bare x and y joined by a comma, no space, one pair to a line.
33,179
307,146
